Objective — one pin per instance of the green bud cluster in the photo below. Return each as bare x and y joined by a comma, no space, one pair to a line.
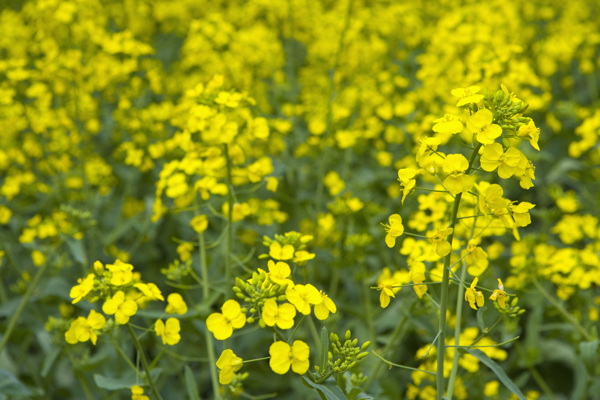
512,310
346,354
256,292
177,270
506,109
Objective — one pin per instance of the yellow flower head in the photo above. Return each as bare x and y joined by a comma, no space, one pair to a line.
279,252
467,95
499,295
137,393
168,332
223,324
84,329
122,273
530,132
228,364
480,123
441,246
121,308
78,292
473,296
302,296
199,223
283,356
279,273
394,229
282,316
325,307
176,305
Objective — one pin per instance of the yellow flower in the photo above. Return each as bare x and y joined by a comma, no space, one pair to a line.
279,252
176,305
407,176
417,275
394,229
441,246
448,124
283,356
272,184
150,290
199,223
229,364
302,256
457,181
473,296
282,315
481,124
222,325
122,273
84,329
499,295
467,95
169,332
137,393
121,308
279,272
325,307
78,292
530,132
302,296
508,162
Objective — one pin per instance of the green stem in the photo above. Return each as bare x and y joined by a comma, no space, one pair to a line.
400,366
229,241
122,354
563,311
441,348
142,356
17,314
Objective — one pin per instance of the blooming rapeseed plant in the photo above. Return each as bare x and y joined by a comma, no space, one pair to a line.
284,356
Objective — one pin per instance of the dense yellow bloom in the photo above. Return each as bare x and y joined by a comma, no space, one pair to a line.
84,329
481,124
302,296
283,356
122,273
78,292
280,315
448,124
394,229
499,295
150,291
474,296
279,252
176,305
169,331
228,364
325,307
222,325
121,308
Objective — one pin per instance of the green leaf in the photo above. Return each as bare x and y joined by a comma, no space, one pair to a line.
329,389
49,361
324,362
589,355
190,383
77,250
480,321
108,383
491,364
11,386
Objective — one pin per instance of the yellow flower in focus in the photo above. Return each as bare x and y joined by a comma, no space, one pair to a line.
78,292
499,295
279,252
467,95
407,176
279,272
508,162
531,133
223,324
150,291
325,307
228,364
417,275
481,125
302,296
282,316
169,331
283,356
302,256
441,246
176,305
394,229
199,223
84,329
122,273
457,180
448,124
137,393
121,308
473,296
